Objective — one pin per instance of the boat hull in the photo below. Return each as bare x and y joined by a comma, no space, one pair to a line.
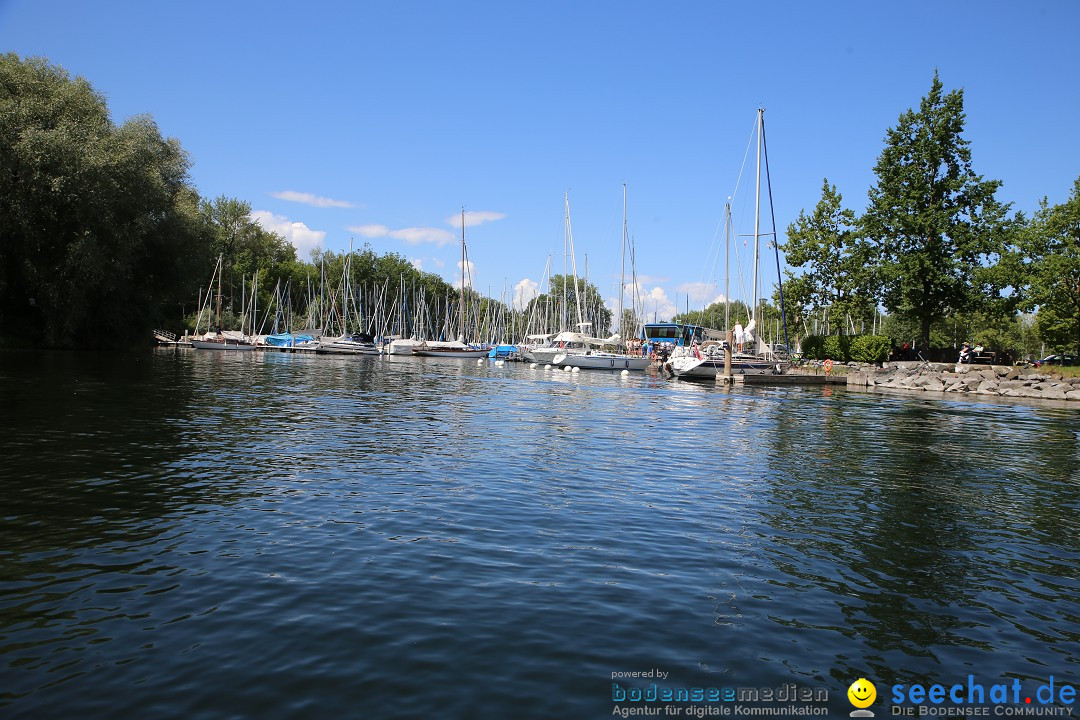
451,352
710,369
224,345
545,355
344,348
602,361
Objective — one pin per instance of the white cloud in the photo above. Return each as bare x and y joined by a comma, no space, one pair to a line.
658,305
418,235
473,219
412,236
699,292
525,291
417,263
369,231
652,303
309,199
438,263
421,235
303,238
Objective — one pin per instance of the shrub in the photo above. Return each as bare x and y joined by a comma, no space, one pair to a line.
847,348
870,348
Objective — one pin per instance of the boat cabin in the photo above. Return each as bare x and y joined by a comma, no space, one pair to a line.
677,334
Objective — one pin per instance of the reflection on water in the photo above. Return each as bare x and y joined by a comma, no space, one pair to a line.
275,535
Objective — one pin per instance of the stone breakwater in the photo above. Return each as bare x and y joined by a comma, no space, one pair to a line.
990,380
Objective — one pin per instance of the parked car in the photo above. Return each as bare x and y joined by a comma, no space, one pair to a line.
1056,360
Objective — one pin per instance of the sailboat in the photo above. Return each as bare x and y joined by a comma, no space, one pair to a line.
219,340
566,342
599,360
460,349
347,343
709,362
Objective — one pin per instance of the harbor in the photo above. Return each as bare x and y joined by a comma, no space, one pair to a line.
484,361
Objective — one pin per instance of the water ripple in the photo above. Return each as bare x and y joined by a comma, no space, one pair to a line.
283,536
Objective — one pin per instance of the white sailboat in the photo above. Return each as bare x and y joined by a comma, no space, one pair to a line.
600,360
460,349
709,362
567,342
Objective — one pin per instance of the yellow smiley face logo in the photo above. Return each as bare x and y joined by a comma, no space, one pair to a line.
862,693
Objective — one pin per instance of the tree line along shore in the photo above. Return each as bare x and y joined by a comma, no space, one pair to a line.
103,237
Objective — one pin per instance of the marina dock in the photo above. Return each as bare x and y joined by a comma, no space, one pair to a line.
787,379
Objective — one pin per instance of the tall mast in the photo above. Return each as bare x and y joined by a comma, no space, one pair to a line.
727,265
622,275
220,273
564,314
757,213
573,264
461,309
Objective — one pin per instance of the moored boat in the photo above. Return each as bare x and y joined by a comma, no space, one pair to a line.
423,350
227,340
354,344
710,365
707,360
597,360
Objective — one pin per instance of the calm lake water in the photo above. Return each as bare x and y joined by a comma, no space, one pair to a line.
276,536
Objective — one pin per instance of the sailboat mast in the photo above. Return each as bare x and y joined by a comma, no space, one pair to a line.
461,308
564,314
727,265
622,275
220,273
573,264
757,213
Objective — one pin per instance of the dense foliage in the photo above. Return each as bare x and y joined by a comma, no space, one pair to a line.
103,237
99,226
937,250
1051,247
933,222
837,271
847,348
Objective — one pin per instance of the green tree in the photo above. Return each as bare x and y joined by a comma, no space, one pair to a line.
837,273
98,230
1052,246
935,224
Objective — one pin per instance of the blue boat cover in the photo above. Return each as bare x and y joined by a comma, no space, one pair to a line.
287,339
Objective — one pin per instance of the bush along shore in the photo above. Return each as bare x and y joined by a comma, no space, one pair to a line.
989,380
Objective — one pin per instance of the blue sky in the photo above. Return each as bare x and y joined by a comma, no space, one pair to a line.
376,122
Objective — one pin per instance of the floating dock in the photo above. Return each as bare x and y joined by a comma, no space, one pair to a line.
786,379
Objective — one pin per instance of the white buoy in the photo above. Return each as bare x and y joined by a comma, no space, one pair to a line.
624,373
567,368
500,363
547,367
576,369
532,365
480,361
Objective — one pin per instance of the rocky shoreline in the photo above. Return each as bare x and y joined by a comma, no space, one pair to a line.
989,380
